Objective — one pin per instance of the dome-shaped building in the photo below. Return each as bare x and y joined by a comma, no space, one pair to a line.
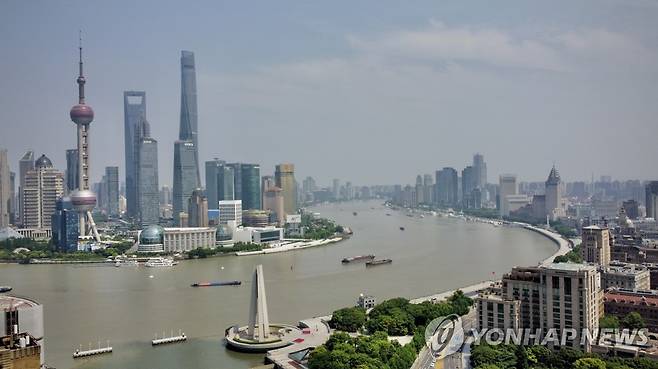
43,162
151,239
224,234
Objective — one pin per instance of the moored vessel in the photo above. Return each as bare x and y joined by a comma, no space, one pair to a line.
160,262
378,262
216,283
358,258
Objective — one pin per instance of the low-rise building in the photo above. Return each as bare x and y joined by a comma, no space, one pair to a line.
19,351
20,314
626,276
366,301
187,239
158,239
620,302
258,234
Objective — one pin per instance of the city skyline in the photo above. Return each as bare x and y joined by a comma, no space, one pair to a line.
246,88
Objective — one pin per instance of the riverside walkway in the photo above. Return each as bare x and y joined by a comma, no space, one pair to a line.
315,332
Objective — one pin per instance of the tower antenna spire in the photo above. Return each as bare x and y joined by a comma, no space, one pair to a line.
81,79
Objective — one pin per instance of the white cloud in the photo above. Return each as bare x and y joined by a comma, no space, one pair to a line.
440,43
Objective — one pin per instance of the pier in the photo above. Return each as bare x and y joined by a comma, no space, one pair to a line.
166,340
92,352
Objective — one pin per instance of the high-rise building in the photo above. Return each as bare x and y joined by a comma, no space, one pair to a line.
220,182
570,293
447,187
335,189
284,176
230,210
266,182
64,226
43,186
273,201
308,185
428,189
632,208
12,198
148,182
112,183
595,246
226,182
506,187
420,194
651,192
197,209
480,171
83,199
185,180
5,193
134,113
469,183
250,181
165,195
188,108
553,184
246,184
71,170
214,169
25,165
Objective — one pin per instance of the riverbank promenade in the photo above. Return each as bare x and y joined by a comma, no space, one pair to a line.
315,332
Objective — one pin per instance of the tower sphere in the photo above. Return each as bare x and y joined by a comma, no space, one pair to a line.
83,200
82,114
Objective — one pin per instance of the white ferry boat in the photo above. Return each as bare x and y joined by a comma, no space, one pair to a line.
160,262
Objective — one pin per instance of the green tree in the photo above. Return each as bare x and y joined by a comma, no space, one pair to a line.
521,357
633,321
589,363
460,302
348,319
501,355
565,357
488,366
609,321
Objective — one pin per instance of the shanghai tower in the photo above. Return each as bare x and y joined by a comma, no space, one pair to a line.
186,149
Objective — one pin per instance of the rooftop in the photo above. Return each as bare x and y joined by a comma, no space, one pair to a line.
625,268
7,302
574,267
634,298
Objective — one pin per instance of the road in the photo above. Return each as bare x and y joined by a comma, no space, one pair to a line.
458,360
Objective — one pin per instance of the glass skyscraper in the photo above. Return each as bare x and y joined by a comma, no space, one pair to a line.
188,106
148,189
250,182
134,112
71,170
246,184
213,168
219,182
64,226
185,180
112,179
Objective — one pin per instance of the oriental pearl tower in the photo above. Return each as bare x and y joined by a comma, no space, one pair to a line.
83,199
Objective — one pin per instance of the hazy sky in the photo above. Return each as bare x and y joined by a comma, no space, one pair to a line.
368,91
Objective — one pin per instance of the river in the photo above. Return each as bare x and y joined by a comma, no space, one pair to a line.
84,304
